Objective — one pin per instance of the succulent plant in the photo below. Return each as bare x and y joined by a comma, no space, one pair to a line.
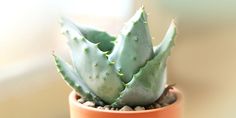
120,71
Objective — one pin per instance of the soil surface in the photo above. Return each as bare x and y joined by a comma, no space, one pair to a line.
166,99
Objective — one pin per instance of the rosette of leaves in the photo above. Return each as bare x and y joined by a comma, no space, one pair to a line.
122,70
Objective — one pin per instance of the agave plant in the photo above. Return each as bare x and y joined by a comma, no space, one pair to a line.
122,70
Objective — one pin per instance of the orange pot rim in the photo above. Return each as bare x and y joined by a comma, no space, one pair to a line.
72,100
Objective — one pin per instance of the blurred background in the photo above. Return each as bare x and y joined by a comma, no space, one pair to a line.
202,64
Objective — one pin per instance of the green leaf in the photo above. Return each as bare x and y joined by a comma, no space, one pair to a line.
74,80
134,47
148,84
94,67
94,35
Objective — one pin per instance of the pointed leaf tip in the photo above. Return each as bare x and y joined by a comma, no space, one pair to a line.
53,53
142,7
173,22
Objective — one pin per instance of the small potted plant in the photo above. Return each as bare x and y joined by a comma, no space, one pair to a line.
123,77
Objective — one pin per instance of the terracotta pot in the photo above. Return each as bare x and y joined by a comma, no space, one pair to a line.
78,110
